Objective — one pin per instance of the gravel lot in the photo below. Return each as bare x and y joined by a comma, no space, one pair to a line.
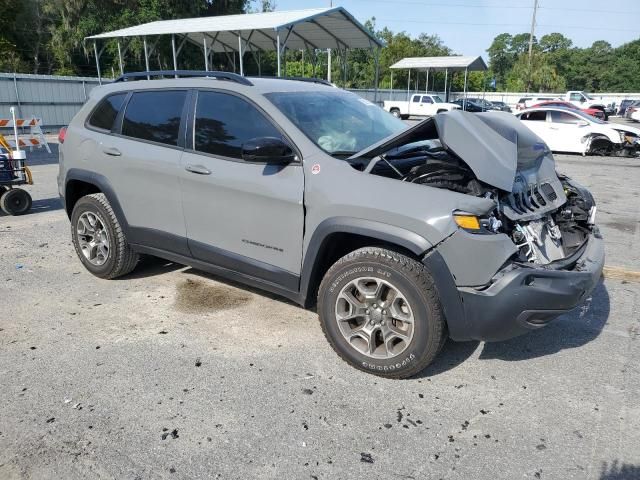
172,373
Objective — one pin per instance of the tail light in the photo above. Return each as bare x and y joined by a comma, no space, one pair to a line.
61,134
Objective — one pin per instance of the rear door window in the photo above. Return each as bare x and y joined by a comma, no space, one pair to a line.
224,122
106,112
154,116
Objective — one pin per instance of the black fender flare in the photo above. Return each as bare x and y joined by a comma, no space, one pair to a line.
411,241
105,187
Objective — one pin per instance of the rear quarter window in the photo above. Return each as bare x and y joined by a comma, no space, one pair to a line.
106,112
154,116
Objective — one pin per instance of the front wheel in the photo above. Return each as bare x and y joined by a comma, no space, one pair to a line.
380,312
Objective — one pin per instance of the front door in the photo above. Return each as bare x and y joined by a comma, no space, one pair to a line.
565,128
244,216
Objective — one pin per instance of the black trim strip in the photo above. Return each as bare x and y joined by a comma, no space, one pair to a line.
244,265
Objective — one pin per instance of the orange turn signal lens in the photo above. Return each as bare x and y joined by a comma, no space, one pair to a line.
468,222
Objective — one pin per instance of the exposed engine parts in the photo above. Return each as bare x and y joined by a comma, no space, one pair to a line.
547,216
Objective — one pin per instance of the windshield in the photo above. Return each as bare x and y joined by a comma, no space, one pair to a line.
436,99
339,122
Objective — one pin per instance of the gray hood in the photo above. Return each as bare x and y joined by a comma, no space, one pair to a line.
495,145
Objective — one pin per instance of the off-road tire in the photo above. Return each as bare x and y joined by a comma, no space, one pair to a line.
122,259
414,281
15,201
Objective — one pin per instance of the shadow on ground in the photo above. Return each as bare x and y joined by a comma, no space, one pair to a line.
619,471
40,206
573,329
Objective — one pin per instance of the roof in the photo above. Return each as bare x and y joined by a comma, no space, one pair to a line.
312,28
442,63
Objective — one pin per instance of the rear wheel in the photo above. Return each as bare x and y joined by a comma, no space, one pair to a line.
380,312
395,112
99,240
15,201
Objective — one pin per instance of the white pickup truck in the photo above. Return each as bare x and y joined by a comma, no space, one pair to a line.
584,100
421,105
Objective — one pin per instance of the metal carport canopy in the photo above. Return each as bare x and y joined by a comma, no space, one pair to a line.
452,63
320,28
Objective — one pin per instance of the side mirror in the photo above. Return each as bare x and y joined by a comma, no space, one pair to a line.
271,150
582,100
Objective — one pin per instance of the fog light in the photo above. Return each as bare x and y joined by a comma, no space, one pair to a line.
468,222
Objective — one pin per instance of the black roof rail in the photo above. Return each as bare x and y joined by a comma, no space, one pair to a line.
302,79
232,77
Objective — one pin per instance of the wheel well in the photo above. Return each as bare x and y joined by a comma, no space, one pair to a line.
336,246
394,109
75,190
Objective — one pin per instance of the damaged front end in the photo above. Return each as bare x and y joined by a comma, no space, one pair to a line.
538,236
628,144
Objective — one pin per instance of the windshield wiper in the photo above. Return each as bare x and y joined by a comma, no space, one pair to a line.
343,153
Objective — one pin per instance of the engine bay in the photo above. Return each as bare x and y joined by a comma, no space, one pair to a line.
546,215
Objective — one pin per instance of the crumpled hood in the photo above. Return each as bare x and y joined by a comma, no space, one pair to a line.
495,145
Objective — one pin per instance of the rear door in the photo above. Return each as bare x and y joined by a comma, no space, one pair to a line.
537,121
244,216
141,159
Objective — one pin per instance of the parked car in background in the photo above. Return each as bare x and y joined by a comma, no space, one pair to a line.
521,104
421,105
584,100
503,107
631,110
624,104
469,105
573,131
561,103
528,102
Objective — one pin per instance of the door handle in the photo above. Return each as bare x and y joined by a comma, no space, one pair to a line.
198,169
114,152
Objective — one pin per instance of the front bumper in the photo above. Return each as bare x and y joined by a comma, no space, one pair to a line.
521,299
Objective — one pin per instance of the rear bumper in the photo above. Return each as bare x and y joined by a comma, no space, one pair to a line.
521,299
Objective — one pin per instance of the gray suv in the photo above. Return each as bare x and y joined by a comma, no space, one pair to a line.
457,227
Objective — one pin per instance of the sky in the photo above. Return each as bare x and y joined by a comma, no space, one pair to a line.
469,26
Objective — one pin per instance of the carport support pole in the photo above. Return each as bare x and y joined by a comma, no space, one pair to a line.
240,55
173,50
206,58
446,93
146,55
377,60
465,90
278,48
120,59
391,89
95,50
426,83
408,84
